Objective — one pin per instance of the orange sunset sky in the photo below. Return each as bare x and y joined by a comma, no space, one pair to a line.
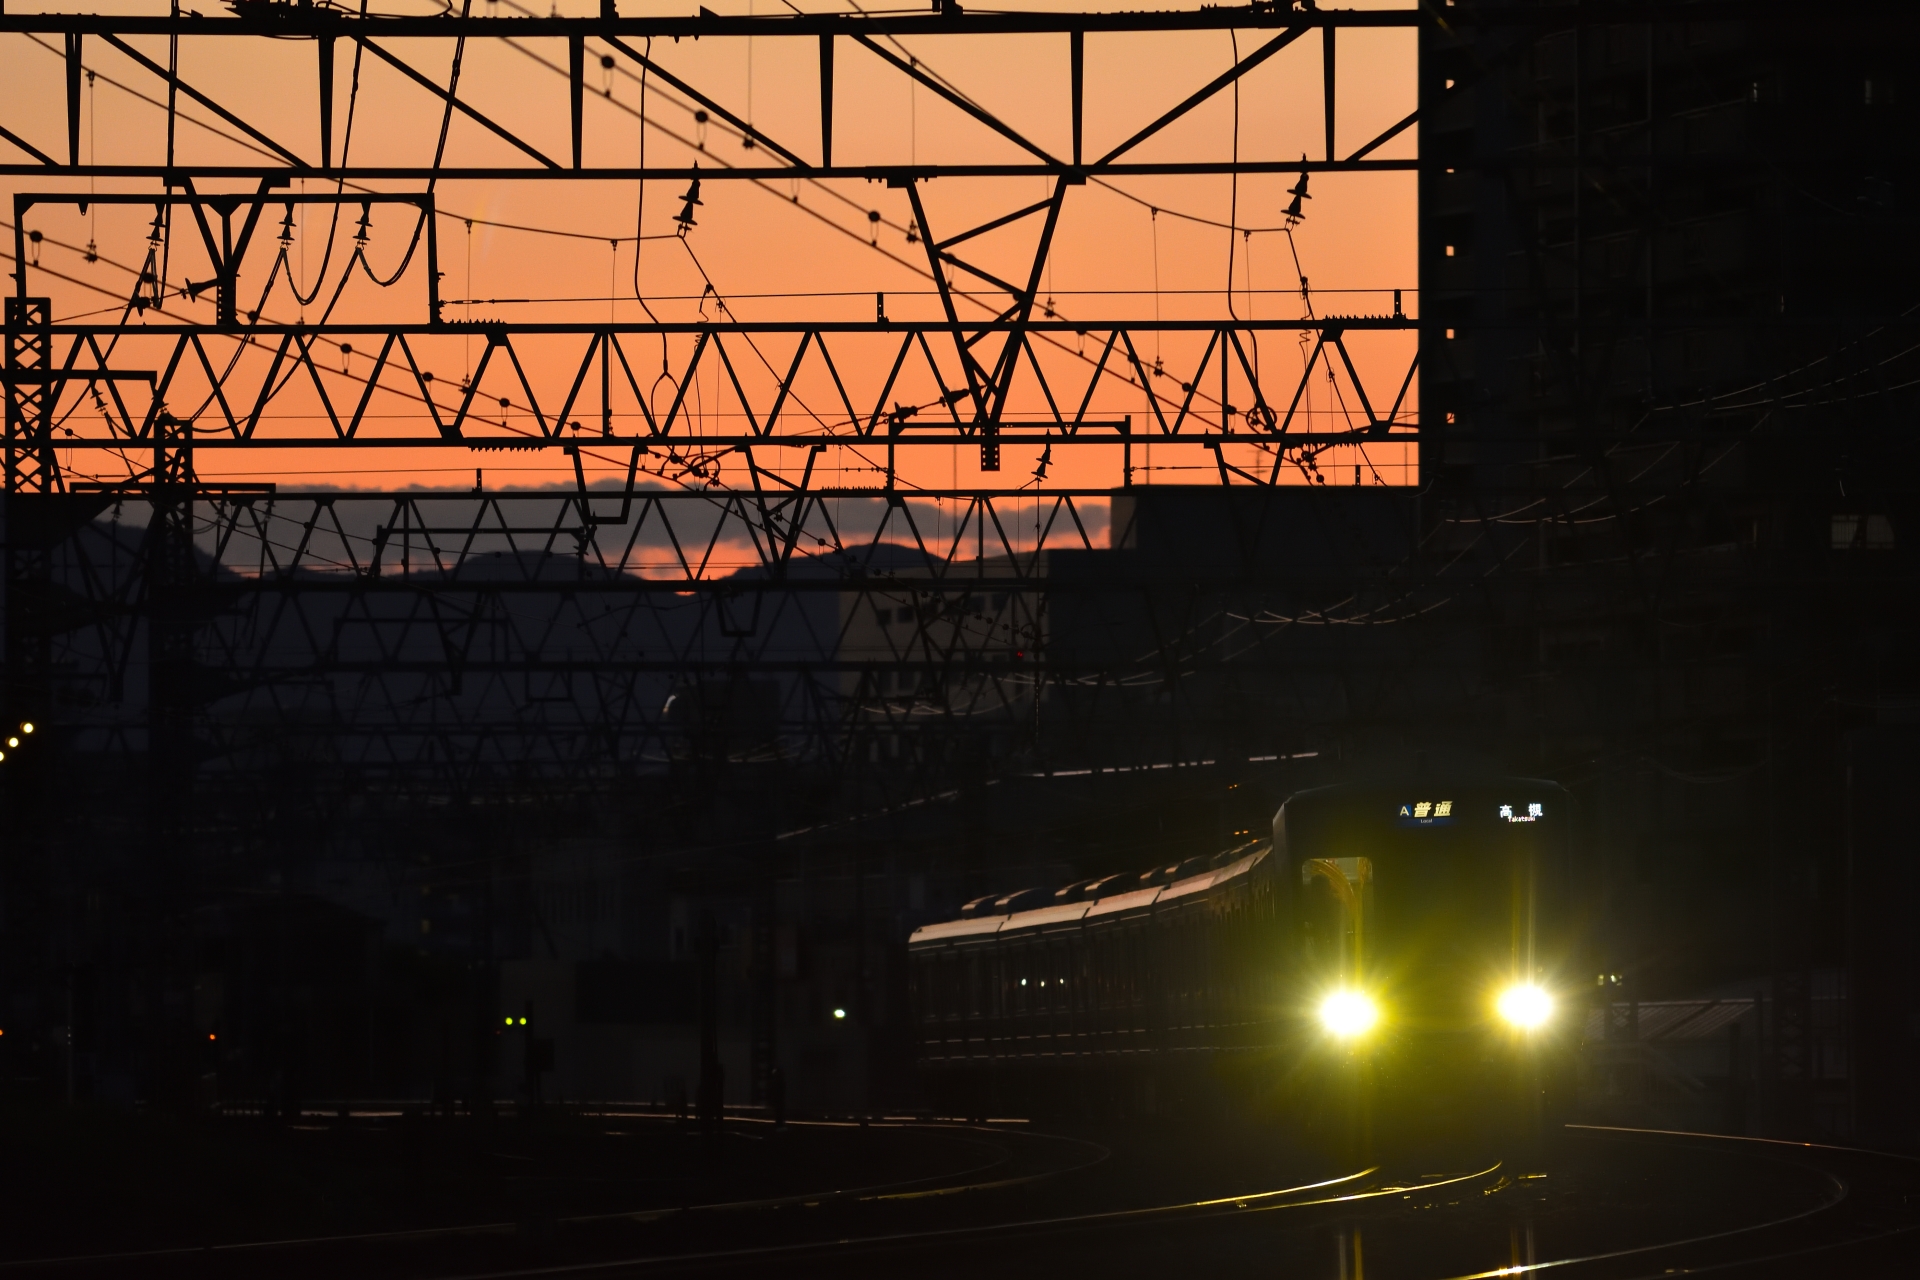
781,249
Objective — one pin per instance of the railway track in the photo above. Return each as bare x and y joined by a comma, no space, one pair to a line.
1607,1204
1009,1158
1631,1204
1348,1189
1865,1221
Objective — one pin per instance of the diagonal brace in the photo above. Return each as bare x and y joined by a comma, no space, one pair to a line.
996,224
203,99
981,114
453,101
662,73
1220,82
1392,132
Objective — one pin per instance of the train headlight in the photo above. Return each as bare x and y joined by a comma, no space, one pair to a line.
1348,1014
1525,1006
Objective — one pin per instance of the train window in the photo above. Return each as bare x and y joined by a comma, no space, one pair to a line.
1182,969
1196,967
1201,989
1109,971
1324,944
1129,966
1173,966
1131,941
1196,971
1457,910
1097,971
1336,896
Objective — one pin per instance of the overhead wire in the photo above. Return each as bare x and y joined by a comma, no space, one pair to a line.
815,183
249,340
367,269
909,265
1230,226
346,150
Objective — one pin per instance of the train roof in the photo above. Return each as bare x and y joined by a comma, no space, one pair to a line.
1129,900
1434,781
980,929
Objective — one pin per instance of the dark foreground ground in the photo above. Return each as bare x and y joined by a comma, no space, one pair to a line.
622,1193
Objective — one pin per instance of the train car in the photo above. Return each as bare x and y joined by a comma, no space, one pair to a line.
1397,958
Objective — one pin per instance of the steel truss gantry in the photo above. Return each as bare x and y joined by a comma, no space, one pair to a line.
616,36
1618,555
751,542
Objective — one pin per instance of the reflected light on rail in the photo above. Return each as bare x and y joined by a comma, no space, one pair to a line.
1525,1006
1348,1013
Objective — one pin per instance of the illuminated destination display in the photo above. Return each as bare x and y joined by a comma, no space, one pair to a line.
1426,813
1512,812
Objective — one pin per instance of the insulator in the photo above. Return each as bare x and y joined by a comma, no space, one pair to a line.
689,200
1299,192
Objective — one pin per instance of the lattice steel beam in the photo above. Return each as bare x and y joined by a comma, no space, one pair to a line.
800,551
862,31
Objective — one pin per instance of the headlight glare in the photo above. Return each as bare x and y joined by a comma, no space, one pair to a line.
1525,1006
1348,1013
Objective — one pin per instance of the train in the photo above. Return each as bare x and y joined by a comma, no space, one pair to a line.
1398,957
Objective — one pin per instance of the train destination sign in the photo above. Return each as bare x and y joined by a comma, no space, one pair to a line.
1426,813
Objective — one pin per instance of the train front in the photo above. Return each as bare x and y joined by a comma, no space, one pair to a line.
1433,989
